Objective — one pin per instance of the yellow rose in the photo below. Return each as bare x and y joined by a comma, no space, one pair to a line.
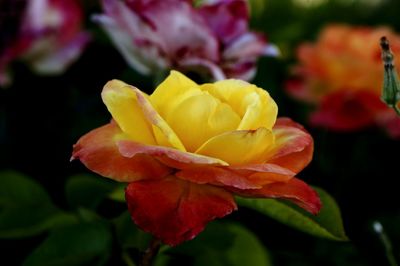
187,148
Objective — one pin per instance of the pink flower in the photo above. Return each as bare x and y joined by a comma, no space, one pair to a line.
214,39
49,37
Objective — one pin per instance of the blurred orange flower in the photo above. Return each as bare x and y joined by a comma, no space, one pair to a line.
342,74
186,149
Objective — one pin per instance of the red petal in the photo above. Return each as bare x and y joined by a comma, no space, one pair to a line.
174,210
348,111
242,177
294,145
294,190
390,121
98,151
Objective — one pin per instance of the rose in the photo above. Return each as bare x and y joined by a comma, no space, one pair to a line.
342,74
211,39
186,149
49,37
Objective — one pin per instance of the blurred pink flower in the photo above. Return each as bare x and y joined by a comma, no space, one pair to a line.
49,37
156,35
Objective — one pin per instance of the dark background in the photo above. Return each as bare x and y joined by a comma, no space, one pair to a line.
42,117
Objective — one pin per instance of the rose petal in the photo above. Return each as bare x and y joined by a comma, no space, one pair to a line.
183,31
249,46
294,190
239,147
348,111
254,105
171,157
389,120
122,103
202,65
200,117
165,136
174,210
293,147
127,30
98,151
172,87
58,59
228,19
216,176
242,177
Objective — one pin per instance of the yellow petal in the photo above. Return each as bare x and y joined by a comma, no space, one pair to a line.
164,135
122,103
254,105
239,147
200,117
171,88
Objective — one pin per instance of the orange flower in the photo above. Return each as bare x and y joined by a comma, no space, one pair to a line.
187,149
342,73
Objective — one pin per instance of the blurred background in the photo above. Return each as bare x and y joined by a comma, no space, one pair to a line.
41,117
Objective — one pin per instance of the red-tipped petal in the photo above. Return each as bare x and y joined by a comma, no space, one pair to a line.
174,210
294,190
169,156
294,146
241,177
98,151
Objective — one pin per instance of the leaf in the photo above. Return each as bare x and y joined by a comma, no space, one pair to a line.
129,235
78,244
25,207
224,244
87,191
118,194
327,224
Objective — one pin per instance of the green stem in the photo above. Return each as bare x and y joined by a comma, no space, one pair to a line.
151,252
127,259
386,243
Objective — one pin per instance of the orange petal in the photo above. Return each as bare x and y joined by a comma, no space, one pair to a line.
294,190
171,157
98,151
293,146
174,210
216,176
243,177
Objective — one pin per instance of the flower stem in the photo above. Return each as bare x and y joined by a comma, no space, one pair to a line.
128,261
386,243
150,252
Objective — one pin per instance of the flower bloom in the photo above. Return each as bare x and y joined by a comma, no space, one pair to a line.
213,39
342,74
186,149
49,38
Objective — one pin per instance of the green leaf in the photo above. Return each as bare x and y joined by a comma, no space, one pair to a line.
78,244
88,191
118,194
327,224
224,244
129,235
25,207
